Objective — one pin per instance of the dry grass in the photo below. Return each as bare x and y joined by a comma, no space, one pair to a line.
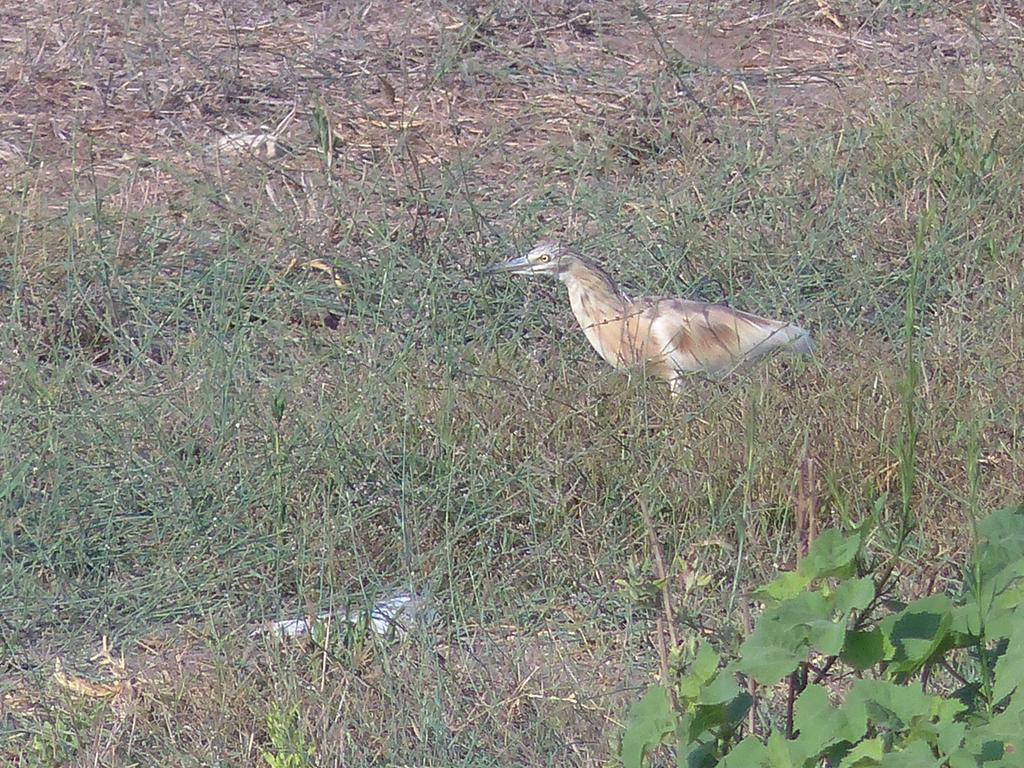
446,434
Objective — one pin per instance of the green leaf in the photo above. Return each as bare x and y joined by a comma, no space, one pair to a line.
998,595
940,729
962,758
783,587
784,634
766,663
863,649
1001,538
950,737
321,128
706,718
749,753
946,710
854,594
1000,615
697,755
809,617
821,726
894,707
917,632
916,754
1009,670
866,754
997,742
777,750
737,709
650,720
994,577
720,690
831,554
703,668
826,636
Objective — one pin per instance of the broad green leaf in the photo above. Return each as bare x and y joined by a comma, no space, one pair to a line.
854,594
650,720
1009,670
962,758
1010,590
831,554
877,701
866,754
706,718
777,750
1003,735
695,755
720,690
894,707
808,617
917,632
1001,537
940,729
684,726
862,650
827,636
803,610
971,695
966,620
997,742
950,736
749,753
784,586
765,663
945,709
1014,705
822,726
998,594
703,669
916,754
737,709
999,561
785,632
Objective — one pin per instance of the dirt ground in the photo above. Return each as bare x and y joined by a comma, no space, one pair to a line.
148,105
147,98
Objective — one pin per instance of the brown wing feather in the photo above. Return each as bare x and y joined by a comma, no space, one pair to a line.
713,337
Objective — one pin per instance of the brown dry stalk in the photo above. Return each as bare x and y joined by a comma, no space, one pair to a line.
666,591
806,506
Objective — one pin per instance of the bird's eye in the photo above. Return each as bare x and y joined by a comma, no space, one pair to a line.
545,258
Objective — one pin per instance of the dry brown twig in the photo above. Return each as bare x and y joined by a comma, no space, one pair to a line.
668,620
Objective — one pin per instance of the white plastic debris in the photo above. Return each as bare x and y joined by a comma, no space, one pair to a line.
259,144
289,629
394,615
266,143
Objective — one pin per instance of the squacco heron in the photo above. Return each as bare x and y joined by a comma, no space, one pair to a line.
670,337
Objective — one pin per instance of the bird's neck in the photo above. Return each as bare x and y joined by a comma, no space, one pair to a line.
592,292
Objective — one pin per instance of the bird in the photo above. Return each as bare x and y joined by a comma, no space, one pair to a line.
670,337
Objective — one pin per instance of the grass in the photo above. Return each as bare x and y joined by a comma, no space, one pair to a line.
197,440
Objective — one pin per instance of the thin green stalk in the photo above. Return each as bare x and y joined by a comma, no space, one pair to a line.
973,504
906,448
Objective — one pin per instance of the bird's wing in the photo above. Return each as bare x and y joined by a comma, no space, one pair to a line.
714,338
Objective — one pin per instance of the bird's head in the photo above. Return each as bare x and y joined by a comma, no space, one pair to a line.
548,257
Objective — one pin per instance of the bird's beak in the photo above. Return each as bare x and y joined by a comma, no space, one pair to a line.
517,266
